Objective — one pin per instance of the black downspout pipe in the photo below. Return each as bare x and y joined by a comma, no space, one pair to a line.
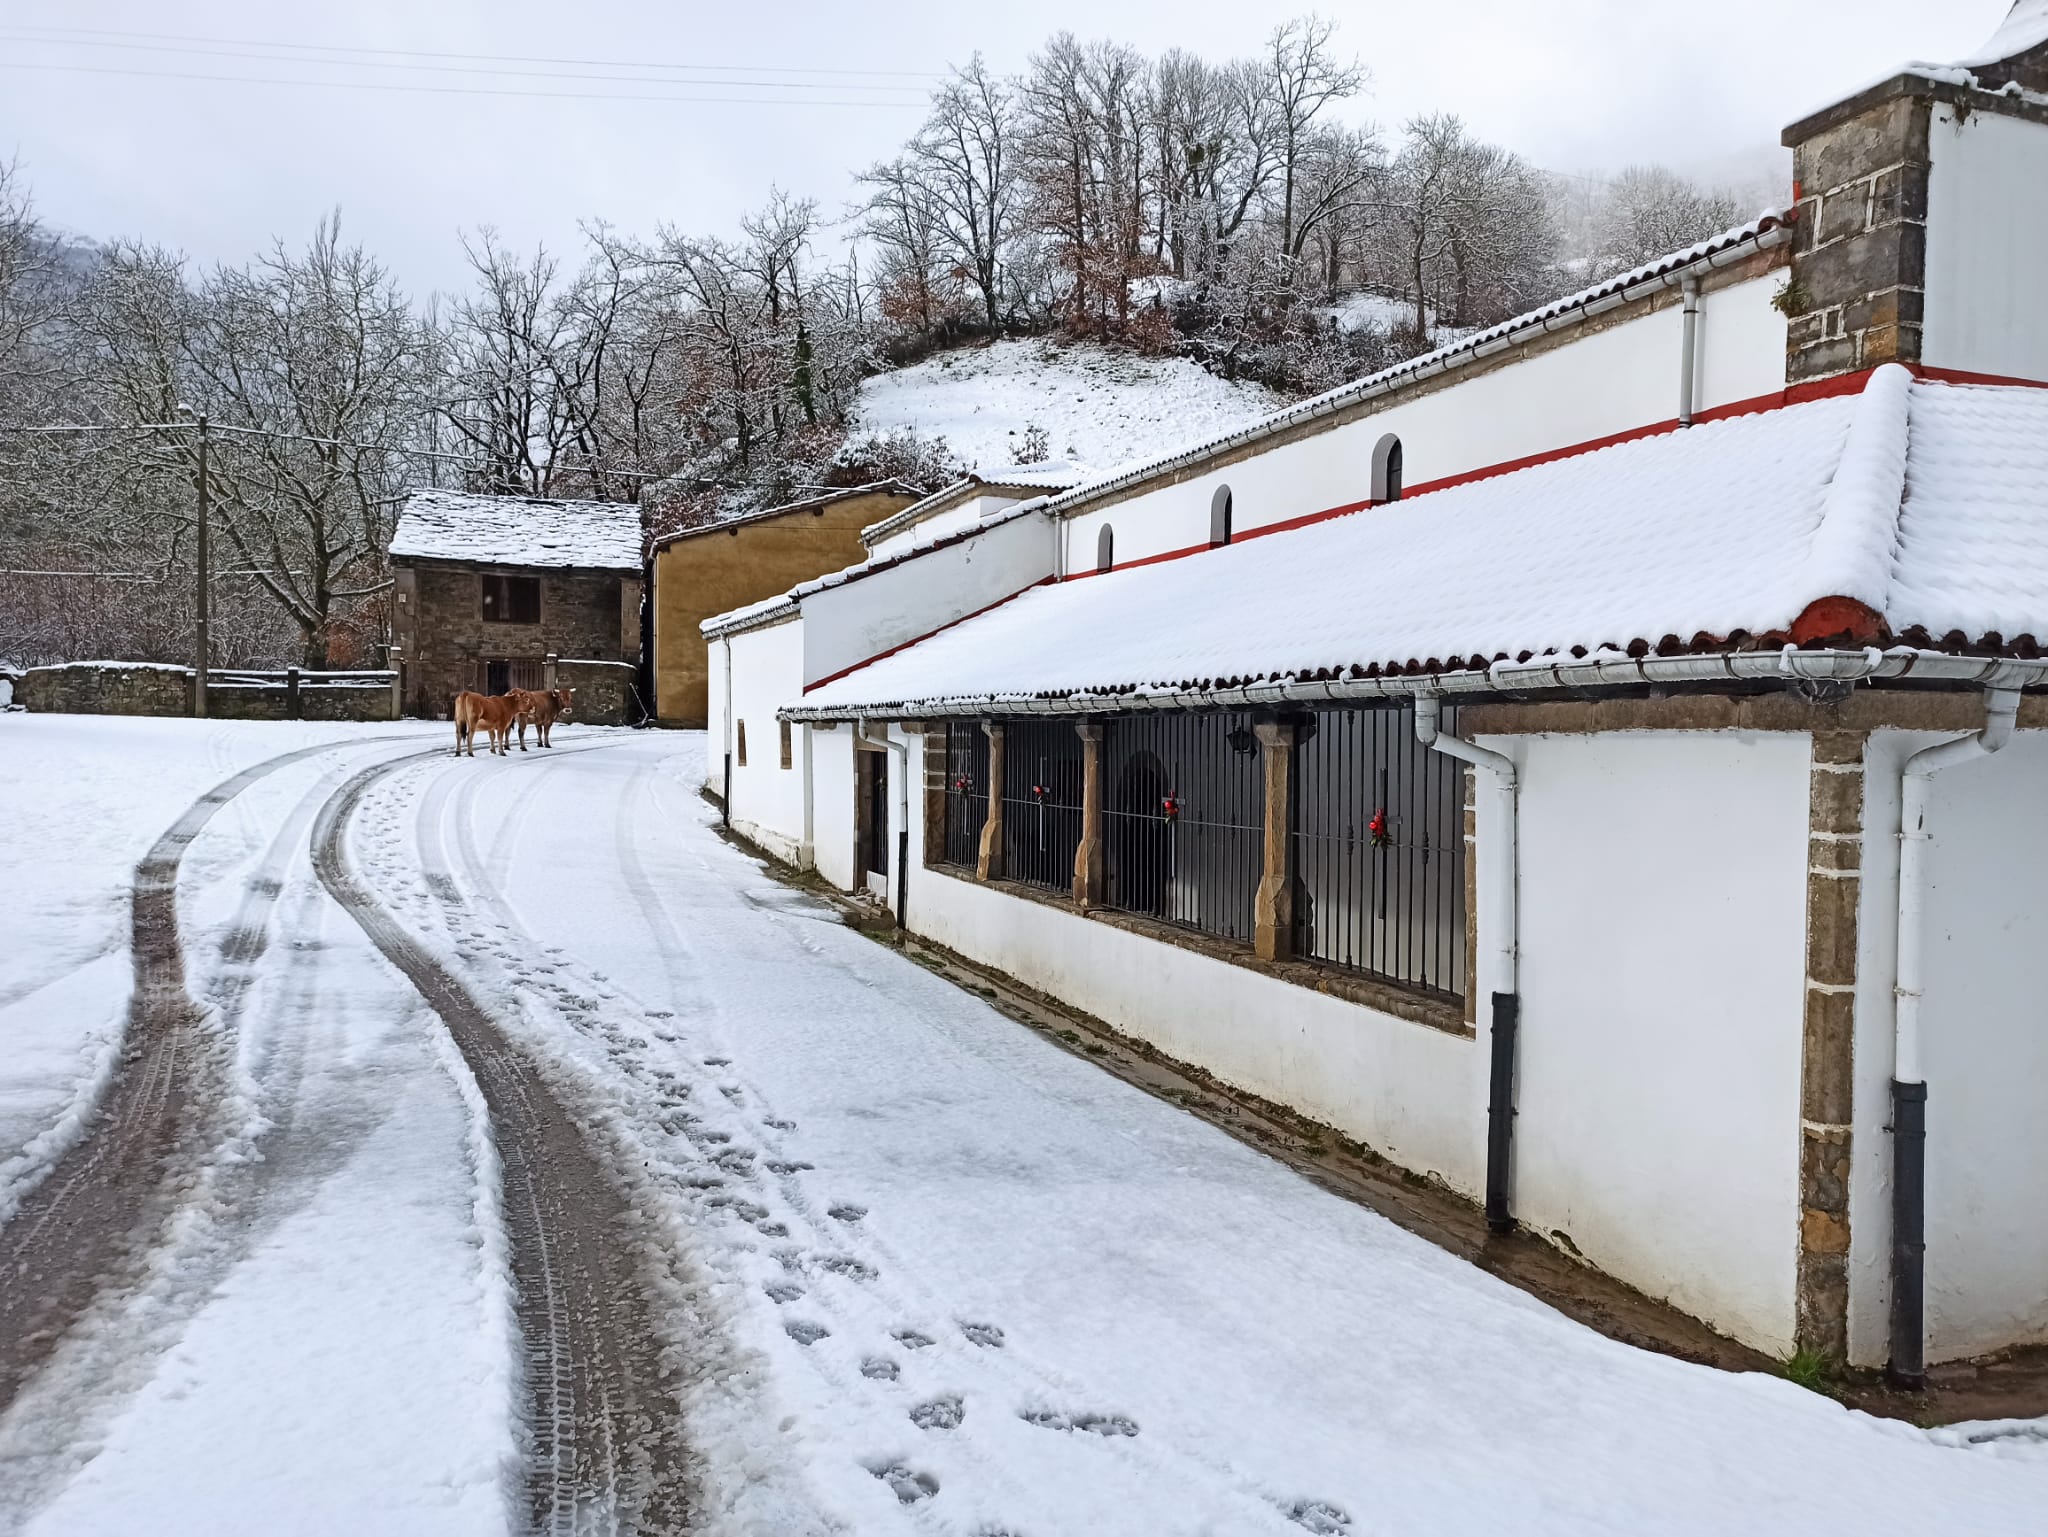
1907,1367
725,809
902,873
1500,1112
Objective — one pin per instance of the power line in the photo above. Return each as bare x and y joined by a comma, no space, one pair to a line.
449,90
495,58
479,69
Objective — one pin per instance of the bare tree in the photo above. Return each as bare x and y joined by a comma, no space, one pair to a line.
1303,77
1649,211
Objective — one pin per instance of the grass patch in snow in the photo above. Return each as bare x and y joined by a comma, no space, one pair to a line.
1811,1370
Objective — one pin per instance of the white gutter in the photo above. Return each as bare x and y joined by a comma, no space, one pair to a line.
1906,1365
1500,921
1789,665
902,777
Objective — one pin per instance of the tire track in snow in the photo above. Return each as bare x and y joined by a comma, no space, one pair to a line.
71,1230
605,1456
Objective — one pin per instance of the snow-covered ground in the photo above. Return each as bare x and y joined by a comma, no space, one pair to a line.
930,1273
1100,405
318,1342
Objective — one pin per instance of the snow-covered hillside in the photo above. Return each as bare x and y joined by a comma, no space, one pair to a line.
1099,405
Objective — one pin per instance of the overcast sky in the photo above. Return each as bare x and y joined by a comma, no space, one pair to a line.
217,166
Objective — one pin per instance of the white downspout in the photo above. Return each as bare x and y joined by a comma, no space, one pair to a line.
901,750
725,795
1499,922
807,853
1906,1364
1688,349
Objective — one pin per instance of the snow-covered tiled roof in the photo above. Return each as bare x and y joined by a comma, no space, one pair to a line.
1924,501
2024,29
1769,228
1051,475
517,531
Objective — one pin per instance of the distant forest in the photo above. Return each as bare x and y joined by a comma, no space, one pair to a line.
1228,212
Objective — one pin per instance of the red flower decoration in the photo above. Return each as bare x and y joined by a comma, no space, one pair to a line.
1382,837
1171,807
1041,793
962,784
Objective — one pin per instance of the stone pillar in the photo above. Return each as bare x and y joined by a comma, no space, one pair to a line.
936,735
1089,871
989,866
397,683
1273,909
294,702
550,671
1834,887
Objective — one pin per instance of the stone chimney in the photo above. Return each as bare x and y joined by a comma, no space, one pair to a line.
1865,171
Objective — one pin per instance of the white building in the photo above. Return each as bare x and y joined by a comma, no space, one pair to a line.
1514,745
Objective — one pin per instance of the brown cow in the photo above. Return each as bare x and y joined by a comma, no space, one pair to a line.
494,712
542,706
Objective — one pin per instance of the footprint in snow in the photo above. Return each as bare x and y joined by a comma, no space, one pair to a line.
731,1091
805,1332
718,1061
788,1166
987,1336
938,1414
845,1211
783,1291
772,1229
910,1339
846,1265
880,1368
1320,1517
908,1486
781,1125
1094,1424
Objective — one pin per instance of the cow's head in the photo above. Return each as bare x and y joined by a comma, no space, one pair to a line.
564,699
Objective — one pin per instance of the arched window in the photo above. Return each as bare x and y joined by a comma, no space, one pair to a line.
1105,548
1219,516
1386,470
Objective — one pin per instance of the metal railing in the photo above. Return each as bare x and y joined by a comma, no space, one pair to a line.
1041,802
1379,849
1183,819
966,792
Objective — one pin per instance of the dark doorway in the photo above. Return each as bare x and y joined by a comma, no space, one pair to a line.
497,674
877,829
1141,840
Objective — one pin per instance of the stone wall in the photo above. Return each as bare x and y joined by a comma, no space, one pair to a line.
443,636
604,691
107,688
143,688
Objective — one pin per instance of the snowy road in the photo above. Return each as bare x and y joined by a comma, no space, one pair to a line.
898,1263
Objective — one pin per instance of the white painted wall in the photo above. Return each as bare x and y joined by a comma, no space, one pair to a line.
945,524
832,797
1984,1024
857,620
1604,382
1987,230
717,738
1403,1087
1663,965
767,799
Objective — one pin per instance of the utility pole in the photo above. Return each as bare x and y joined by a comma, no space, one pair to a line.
203,597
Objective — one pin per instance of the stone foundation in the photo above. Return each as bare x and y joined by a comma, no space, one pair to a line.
604,692
106,688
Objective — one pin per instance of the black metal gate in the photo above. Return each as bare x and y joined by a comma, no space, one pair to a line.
1379,849
966,793
877,829
1183,819
1042,774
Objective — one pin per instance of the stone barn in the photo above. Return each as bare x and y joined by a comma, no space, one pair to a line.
498,592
